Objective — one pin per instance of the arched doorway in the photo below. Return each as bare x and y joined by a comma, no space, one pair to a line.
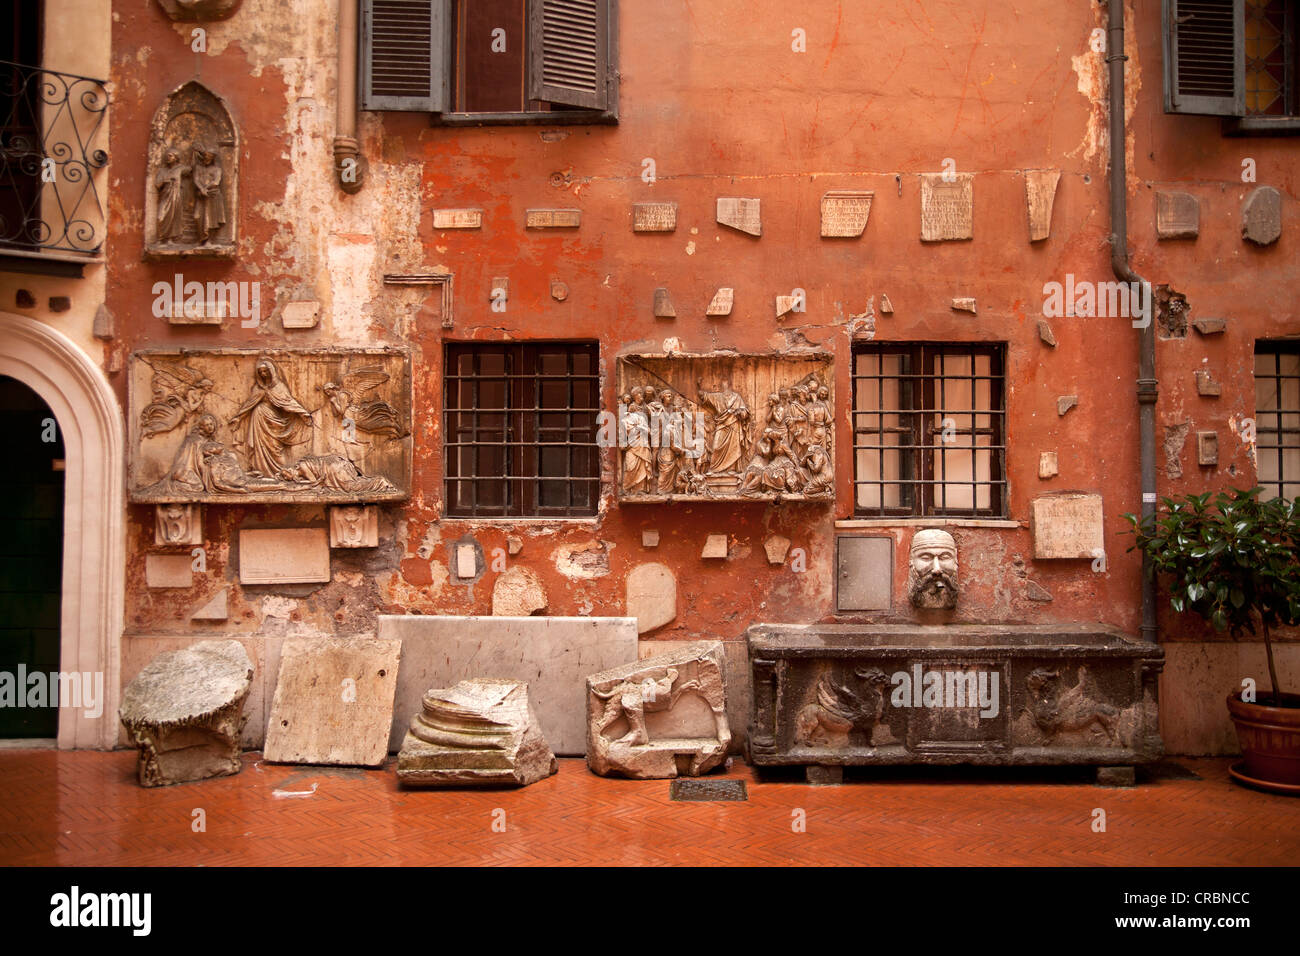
31,563
89,421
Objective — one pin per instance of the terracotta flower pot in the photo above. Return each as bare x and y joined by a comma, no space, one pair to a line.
1270,741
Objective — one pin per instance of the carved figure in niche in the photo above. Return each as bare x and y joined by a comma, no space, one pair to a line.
634,699
1055,711
169,183
729,441
275,422
772,468
178,392
350,401
209,205
638,463
821,474
839,710
192,195
932,570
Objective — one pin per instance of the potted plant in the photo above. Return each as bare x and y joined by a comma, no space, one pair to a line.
1236,562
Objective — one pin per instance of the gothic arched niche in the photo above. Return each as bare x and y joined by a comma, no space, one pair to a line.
192,187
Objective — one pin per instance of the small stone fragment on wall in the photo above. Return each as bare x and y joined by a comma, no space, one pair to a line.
1261,216
1065,403
1206,385
743,215
651,596
721,302
662,717
663,307
776,547
650,538
184,711
1040,195
518,592
715,546
168,571
480,733
1178,215
964,304
1210,326
1045,333
215,609
1047,465
1207,447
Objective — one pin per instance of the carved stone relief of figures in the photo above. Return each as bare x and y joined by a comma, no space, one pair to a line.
746,426
193,10
290,425
193,176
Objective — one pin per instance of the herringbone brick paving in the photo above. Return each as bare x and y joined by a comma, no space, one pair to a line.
85,808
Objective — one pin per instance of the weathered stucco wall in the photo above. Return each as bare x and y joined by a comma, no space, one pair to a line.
713,93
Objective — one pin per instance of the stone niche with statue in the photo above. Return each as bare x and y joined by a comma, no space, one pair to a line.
253,426
191,206
725,427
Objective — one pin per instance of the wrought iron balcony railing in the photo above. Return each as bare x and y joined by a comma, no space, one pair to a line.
52,138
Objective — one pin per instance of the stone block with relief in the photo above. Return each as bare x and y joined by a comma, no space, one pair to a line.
665,716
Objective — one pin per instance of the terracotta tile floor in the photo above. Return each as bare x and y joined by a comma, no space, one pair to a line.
76,808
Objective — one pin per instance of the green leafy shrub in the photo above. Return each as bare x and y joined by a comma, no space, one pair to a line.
1233,560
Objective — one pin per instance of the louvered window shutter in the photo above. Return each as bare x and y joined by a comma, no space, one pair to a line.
568,49
1205,57
405,55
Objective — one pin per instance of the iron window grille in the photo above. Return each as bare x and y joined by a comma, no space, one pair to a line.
520,423
929,426
51,153
1277,418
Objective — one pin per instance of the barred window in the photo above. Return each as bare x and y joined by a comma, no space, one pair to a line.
520,426
929,427
1277,418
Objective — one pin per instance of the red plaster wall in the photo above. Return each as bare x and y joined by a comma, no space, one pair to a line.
712,91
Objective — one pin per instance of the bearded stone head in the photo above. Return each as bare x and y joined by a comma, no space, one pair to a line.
932,570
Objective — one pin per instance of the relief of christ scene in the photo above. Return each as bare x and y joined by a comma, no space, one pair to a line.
228,425
725,427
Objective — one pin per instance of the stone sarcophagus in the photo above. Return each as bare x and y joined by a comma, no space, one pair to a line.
830,696
726,427
245,426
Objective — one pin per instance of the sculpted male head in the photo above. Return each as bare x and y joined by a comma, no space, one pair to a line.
932,570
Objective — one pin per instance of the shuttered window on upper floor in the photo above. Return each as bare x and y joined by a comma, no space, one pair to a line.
1233,58
491,60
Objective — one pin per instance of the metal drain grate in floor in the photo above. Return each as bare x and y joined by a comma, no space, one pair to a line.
696,789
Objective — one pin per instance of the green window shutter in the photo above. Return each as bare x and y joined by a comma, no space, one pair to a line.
405,55
1205,57
569,52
